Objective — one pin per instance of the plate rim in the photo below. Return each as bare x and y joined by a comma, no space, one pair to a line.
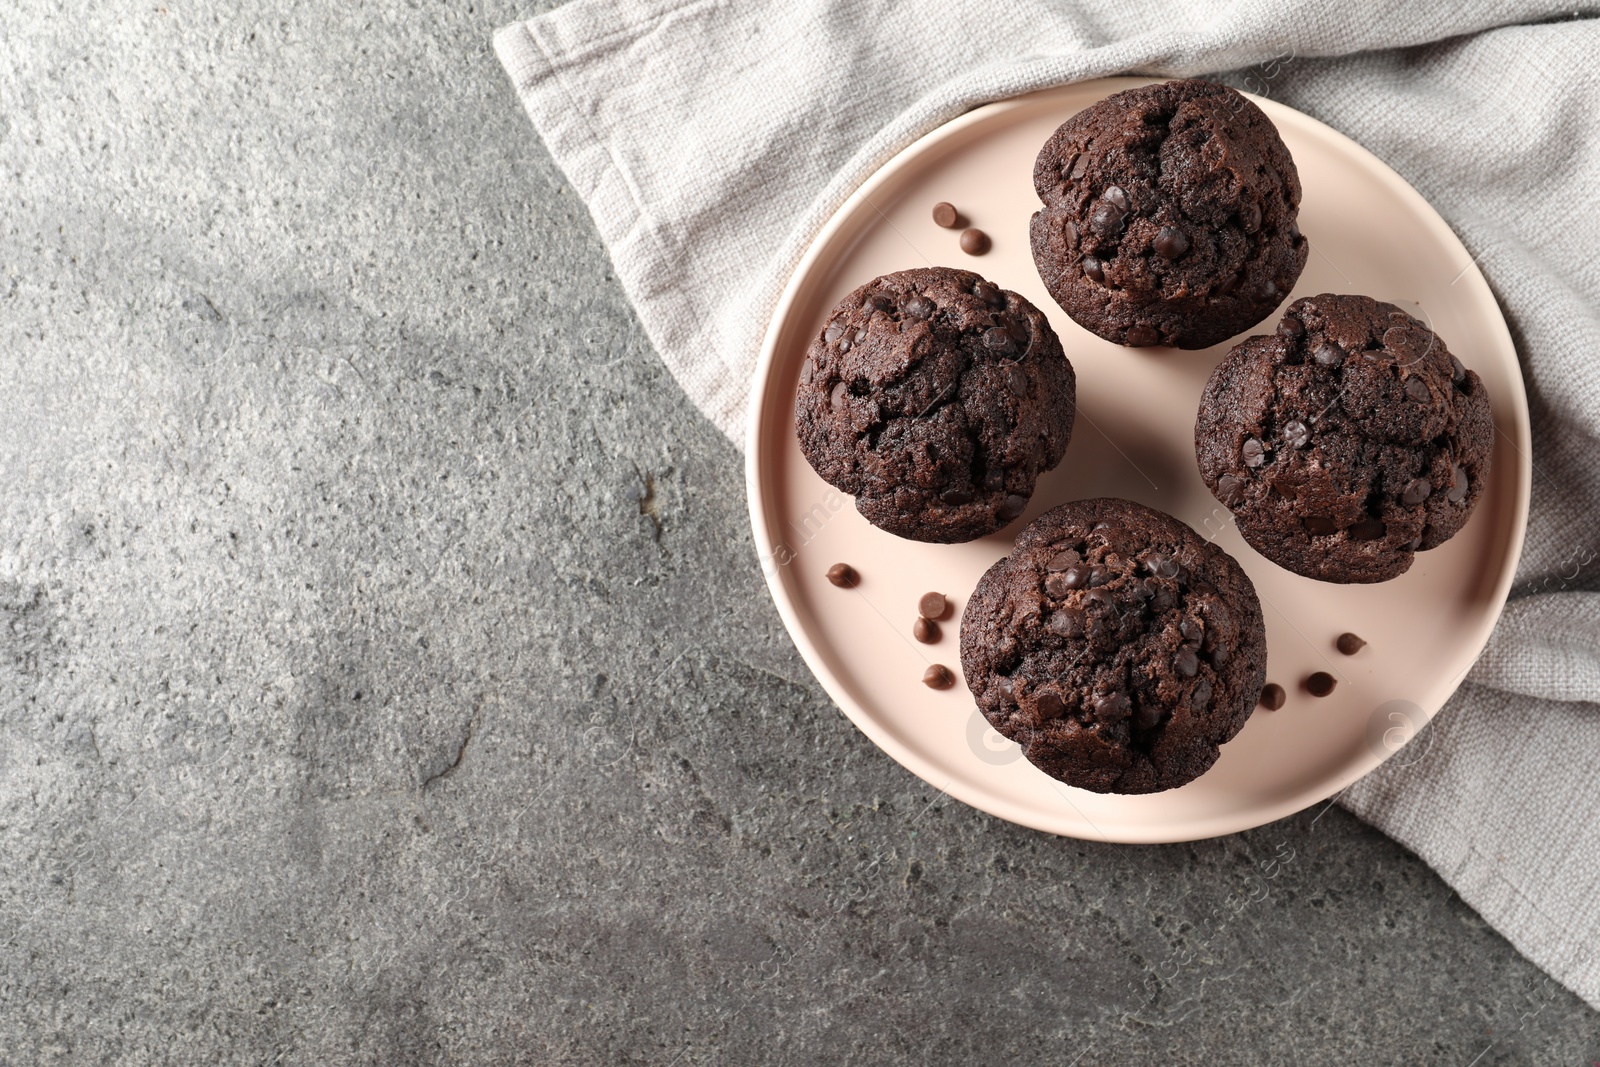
981,800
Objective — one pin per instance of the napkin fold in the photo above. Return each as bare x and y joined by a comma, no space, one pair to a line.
711,140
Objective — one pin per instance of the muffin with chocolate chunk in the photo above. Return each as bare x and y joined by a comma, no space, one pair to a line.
936,399
1347,441
1169,216
1116,646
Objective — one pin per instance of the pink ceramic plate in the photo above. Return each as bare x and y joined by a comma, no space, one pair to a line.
1370,233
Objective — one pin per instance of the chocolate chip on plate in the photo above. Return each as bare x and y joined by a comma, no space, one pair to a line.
932,606
843,575
974,242
1350,644
946,215
938,676
925,630
1273,696
1320,684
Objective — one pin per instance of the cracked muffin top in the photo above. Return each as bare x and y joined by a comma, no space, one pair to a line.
1116,646
936,399
1347,441
1169,216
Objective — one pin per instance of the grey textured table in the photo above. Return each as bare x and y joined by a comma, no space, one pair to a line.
387,676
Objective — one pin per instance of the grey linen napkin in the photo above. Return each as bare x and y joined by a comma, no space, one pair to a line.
711,139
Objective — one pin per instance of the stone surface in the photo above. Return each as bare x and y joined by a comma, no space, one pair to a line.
386,675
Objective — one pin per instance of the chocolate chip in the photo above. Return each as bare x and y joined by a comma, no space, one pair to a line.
840,393
1011,507
1291,328
1417,490
1254,452
974,242
956,497
918,306
1099,596
925,630
1056,585
1319,525
1349,644
1170,242
1075,577
1049,704
946,215
1098,576
1320,684
860,335
844,345
876,302
1249,217
808,371
1296,434
938,676
1142,336
1093,270
1115,195
996,339
1017,380
1112,708
1458,485
1069,233
1273,696
1417,390
1328,354
843,575
1149,716
1068,622
1163,598
1105,219
1294,230
1019,330
1062,560
1072,161
1200,695
831,334
1192,630
1458,370
1186,662
1368,529
990,294
1230,489
1080,167
1161,565
932,606
1007,688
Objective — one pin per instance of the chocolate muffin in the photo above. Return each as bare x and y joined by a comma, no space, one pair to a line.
1169,216
936,399
1347,441
1116,646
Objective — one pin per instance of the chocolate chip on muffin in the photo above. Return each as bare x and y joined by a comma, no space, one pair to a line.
936,399
1346,441
1169,216
1116,646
